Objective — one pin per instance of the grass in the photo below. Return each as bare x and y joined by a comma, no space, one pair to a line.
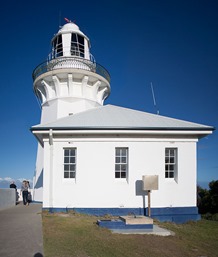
77,235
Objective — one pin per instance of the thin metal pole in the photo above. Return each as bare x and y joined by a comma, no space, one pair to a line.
149,203
154,100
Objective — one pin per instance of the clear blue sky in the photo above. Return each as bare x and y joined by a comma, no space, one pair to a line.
174,44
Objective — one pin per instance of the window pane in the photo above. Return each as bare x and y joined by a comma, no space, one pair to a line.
72,152
171,159
167,159
66,159
171,167
66,167
166,152
171,174
66,152
72,174
123,174
117,167
73,37
117,174
123,152
172,152
72,159
66,174
123,159
59,46
123,167
117,151
117,159
80,39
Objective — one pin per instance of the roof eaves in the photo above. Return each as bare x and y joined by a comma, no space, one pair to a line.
126,128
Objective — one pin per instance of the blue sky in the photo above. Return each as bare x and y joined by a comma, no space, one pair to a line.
173,44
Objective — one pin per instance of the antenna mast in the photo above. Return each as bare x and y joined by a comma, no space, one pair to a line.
60,19
155,105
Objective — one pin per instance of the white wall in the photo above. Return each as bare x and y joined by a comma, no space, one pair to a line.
38,176
95,185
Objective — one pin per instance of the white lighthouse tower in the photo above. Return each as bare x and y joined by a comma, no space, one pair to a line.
69,82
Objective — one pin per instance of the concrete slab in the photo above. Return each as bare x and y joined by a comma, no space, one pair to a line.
139,219
158,231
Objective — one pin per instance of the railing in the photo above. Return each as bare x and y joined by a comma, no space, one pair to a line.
70,62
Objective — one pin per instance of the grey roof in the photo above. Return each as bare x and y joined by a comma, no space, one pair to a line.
115,117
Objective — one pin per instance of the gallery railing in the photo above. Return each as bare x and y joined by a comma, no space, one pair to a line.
70,62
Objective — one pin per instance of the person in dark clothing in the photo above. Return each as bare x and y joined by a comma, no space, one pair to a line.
12,185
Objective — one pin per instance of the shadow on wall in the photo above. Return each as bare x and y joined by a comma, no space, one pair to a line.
39,182
140,191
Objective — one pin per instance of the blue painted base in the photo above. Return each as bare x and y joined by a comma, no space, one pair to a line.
36,202
119,224
174,214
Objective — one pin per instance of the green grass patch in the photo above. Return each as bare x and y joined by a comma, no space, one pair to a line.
77,235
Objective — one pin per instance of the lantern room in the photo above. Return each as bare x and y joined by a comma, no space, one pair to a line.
70,41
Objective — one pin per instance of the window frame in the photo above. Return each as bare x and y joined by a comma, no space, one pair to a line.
171,163
70,163
57,47
121,163
77,47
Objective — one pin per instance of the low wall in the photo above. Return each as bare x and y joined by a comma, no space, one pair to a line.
7,198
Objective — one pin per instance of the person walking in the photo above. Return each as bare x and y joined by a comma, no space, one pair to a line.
12,185
24,191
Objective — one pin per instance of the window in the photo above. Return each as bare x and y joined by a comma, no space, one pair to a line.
170,162
70,163
121,162
77,45
57,48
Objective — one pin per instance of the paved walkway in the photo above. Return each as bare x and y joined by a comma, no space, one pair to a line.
21,231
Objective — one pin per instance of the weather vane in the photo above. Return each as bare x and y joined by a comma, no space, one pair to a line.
67,20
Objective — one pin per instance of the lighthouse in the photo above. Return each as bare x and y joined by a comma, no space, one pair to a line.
101,159
68,82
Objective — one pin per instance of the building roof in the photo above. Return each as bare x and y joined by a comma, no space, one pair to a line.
117,118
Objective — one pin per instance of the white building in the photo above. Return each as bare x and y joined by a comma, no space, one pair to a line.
91,158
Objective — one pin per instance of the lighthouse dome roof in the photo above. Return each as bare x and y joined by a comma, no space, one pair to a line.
71,27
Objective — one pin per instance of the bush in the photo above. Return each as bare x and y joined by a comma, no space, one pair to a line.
209,216
208,199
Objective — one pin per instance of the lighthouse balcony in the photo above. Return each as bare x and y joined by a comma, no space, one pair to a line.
68,63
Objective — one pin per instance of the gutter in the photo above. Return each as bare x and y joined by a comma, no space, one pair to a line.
125,128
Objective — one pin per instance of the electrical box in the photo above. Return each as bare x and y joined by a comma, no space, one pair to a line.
150,182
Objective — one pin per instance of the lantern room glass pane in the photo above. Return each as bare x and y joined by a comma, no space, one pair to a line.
77,45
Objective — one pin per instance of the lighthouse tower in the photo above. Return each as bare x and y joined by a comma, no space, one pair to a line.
68,82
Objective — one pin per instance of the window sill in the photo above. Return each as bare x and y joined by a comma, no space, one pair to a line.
69,180
171,180
121,180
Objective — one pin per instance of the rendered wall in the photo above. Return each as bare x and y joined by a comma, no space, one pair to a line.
37,194
95,185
